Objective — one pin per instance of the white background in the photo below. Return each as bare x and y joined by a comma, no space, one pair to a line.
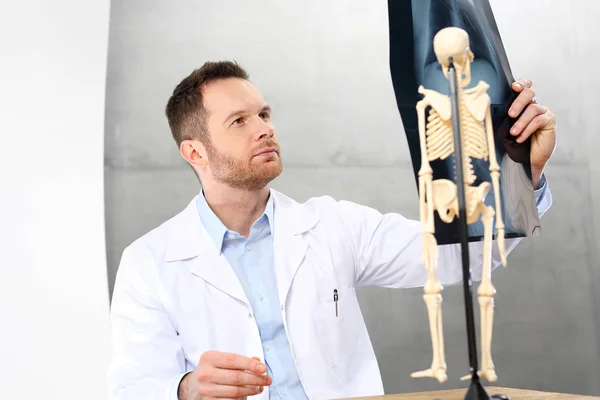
54,339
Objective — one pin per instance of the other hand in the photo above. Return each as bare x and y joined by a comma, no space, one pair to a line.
536,122
224,375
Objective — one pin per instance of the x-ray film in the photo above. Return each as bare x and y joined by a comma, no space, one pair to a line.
412,27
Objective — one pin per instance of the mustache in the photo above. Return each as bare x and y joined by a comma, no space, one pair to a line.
268,144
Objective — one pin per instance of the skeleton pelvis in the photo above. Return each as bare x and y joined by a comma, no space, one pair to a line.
445,200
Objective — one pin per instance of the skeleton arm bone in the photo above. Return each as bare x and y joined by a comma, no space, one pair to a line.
430,254
495,173
425,174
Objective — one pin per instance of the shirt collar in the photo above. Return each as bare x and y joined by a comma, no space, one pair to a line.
216,229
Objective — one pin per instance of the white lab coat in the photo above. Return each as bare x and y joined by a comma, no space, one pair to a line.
176,297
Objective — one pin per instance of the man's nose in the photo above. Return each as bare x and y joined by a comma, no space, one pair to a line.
265,130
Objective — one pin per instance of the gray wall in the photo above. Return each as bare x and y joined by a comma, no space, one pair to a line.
323,65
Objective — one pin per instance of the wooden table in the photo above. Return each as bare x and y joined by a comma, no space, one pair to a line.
459,394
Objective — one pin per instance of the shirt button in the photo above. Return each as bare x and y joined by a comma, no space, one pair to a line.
267,348
248,248
260,297
250,315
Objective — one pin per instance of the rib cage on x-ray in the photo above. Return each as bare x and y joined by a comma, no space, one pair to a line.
413,24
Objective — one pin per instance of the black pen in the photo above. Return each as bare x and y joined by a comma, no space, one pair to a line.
335,299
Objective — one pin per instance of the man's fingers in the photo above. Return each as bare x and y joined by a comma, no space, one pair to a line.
240,378
229,376
538,123
235,361
212,390
232,377
530,113
522,83
523,100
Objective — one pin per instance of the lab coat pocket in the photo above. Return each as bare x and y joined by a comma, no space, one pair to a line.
339,335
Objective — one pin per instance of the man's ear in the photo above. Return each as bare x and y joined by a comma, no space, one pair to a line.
194,152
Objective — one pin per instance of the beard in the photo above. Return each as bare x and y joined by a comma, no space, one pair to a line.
247,173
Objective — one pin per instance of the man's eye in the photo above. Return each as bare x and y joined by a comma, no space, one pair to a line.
264,115
238,121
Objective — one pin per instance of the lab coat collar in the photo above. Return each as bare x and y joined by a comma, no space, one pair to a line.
215,227
188,239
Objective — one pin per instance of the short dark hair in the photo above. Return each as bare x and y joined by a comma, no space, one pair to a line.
185,110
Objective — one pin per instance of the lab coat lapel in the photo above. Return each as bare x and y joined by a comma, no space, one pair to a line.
290,243
190,241
216,270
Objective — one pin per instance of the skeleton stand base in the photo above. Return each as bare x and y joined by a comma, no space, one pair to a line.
476,390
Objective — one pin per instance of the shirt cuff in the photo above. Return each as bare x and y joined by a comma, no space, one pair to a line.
543,196
539,192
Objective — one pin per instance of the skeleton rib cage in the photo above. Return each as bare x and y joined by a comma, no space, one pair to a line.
440,141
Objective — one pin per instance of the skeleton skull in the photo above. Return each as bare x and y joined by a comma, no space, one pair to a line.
452,45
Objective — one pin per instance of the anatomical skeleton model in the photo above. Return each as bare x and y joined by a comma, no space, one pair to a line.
451,45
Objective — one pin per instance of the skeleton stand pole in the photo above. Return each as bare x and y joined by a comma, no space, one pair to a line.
476,390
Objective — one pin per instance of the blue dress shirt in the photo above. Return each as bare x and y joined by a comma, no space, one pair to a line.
252,260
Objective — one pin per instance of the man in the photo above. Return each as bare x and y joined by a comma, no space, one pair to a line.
247,289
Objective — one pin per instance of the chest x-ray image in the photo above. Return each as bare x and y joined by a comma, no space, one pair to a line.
412,27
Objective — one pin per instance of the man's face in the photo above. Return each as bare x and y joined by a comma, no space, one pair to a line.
243,152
